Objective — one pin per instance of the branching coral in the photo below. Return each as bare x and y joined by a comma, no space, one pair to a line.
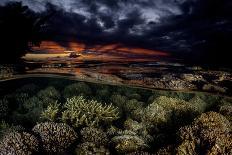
211,132
51,113
18,144
6,128
94,135
79,111
55,137
77,89
128,141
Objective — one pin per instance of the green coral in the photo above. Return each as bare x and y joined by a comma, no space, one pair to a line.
79,111
77,89
211,132
51,113
18,144
166,111
55,137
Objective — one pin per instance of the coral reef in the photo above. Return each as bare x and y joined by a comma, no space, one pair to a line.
77,89
4,109
166,111
226,109
167,150
48,95
55,137
128,141
29,111
79,111
6,128
118,100
94,135
211,132
89,148
51,113
18,144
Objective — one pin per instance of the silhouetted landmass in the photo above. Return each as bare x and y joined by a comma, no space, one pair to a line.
20,28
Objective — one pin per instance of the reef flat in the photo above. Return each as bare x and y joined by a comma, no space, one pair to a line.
50,115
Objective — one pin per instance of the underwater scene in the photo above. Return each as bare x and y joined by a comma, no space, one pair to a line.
41,115
115,77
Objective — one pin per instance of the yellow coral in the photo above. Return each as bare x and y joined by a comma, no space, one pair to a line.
79,111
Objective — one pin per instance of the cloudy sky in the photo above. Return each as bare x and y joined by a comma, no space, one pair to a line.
195,30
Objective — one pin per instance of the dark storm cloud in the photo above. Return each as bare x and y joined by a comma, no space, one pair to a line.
196,30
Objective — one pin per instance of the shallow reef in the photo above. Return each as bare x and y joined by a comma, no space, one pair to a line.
65,117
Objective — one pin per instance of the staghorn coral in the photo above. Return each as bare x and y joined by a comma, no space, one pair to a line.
89,148
128,141
79,111
16,143
55,137
4,109
77,89
51,113
211,132
94,135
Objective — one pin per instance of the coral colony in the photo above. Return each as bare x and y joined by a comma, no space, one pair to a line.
122,120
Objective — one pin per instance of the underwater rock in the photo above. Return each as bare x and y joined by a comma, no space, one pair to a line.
128,141
211,132
94,135
16,143
89,148
77,89
79,111
55,137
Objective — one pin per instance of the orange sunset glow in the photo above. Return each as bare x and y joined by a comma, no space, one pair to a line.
118,49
